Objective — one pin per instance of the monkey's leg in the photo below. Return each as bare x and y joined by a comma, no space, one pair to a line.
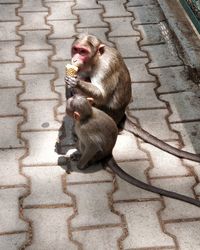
133,181
88,154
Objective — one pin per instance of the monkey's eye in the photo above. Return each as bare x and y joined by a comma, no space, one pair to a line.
75,50
83,52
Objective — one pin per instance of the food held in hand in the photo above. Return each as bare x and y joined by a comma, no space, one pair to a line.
71,70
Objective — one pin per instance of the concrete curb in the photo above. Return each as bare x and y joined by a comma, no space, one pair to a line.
185,32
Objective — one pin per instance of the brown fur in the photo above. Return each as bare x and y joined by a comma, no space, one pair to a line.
96,131
110,83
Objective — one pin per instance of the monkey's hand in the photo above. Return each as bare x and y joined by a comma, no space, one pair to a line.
71,81
73,154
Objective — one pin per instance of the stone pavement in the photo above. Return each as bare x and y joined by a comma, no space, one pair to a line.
42,207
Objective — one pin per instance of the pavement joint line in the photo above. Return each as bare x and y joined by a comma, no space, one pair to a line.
151,166
21,216
124,224
65,184
95,227
156,80
181,220
63,178
137,200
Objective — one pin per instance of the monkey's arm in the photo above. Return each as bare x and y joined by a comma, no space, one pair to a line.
99,89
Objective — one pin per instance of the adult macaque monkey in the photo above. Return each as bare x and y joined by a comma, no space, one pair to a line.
97,134
104,76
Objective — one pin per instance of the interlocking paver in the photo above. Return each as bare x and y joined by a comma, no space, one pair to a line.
164,164
29,5
126,148
42,206
41,148
8,32
9,161
51,192
85,22
92,239
35,40
37,87
121,26
169,58
7,52
63,49
85,4
12,241
9,209
185,106
146,231
187,234
123,42
153,121
40,119
190,134
52,233
172,79
8,12
31,21
147,14
98,206
9,98
136,169
62,28
60,10
8,132
174,209
36,62
8,75
138,70
60,67
114,8
150,99
151,34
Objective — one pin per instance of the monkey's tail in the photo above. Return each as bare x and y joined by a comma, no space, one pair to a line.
133,181
144,135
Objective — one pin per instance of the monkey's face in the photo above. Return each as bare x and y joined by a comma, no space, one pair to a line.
81,56
85,52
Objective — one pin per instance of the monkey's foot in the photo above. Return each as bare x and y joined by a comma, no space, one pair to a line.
64,163
73,154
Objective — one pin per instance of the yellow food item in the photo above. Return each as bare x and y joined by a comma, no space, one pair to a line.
71,70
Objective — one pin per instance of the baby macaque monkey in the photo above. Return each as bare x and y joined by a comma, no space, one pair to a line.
96,131
97,135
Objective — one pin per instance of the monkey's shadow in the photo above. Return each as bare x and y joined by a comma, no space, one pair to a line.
67,140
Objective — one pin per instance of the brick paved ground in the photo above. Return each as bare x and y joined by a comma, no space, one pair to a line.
42,208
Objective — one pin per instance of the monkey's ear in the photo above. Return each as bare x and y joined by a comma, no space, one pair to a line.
90,100
101,49
76,116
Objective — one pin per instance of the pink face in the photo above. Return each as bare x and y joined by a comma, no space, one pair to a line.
80,55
